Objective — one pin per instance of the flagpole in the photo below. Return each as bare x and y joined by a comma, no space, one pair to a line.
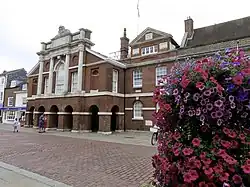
138,17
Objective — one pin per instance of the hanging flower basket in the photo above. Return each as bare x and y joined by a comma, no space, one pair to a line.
204,121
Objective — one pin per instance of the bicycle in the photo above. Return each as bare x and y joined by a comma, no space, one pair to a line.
154,137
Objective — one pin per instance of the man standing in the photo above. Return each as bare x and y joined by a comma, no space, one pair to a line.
41,123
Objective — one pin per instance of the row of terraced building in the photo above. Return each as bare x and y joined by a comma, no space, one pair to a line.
80,89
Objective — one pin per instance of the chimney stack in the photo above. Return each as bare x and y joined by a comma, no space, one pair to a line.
124,45
189,26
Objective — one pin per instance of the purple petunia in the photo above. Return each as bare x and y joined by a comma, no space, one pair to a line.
219,122
196,96
207,93
209,106
175,92
218,114
231,98
203,102
218,103
202,118
213,115
191,113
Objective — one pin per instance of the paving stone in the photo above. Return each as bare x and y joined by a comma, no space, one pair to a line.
76,161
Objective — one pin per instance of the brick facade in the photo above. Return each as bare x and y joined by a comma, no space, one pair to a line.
96,106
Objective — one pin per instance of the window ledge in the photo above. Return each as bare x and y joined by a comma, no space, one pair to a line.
137,118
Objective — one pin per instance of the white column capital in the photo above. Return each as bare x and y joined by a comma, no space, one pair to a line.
81,47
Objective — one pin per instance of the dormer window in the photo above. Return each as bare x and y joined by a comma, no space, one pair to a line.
171,46
149,36
13,84
149,50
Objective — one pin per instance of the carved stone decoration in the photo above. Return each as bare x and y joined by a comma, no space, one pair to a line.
62,32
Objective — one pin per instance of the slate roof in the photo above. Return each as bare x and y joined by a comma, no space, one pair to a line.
231,30
18,75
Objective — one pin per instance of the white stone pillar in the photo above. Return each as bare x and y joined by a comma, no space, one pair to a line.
80,64
50,82
66,70
40,76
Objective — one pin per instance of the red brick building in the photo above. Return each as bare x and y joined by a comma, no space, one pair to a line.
80,89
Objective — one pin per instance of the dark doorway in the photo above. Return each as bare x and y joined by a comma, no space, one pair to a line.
114,118
68,119
41,109
31,116
94,118
54,117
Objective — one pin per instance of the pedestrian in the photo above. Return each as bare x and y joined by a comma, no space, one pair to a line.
45,123
15,125
41,123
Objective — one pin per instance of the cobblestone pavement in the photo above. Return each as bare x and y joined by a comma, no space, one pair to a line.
133,138
78,162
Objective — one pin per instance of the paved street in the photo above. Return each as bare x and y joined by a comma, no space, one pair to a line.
11,176
78,161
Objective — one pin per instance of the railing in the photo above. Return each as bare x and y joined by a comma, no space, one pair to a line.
115,55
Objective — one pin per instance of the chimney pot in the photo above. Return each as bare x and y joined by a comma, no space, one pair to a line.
189,26
124,45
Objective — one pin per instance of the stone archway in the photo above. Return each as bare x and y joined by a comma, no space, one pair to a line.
68,118
94,118
53,116
114,119
30,116
41,110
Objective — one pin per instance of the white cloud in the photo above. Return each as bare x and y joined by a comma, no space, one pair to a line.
24,24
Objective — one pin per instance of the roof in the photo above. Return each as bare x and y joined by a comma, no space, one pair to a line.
226,31
19,75
106,59
12,71
147,30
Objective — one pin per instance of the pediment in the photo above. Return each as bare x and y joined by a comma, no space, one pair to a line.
156,34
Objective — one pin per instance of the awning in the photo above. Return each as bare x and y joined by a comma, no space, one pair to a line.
13,108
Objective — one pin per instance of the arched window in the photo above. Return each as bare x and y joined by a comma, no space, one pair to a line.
137,109
60,78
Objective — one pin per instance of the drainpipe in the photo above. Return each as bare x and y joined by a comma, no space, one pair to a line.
124,100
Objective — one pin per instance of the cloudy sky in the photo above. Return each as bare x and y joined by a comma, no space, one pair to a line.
26,23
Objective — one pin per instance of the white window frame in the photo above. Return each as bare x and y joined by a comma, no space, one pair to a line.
115,78
10,101
137,78
13,83
60,81
24,87
10,115
163,45
149,36
137,110
149,50
74,81
24,99
160,72
136,51
46,85
2,80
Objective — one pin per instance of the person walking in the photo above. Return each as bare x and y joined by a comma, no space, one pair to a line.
15,125
41,123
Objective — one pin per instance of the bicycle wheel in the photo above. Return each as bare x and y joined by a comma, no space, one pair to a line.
154,138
